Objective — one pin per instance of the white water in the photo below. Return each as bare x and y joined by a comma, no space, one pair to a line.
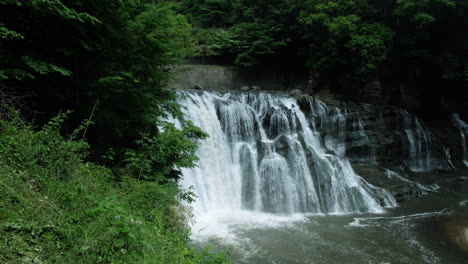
425,189
362,141
266,161
417,143
463,127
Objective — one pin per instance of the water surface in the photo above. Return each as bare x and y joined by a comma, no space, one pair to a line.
422,230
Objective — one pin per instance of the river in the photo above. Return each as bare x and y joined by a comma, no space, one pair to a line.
423,230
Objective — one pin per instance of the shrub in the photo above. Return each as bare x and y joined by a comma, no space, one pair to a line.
57,208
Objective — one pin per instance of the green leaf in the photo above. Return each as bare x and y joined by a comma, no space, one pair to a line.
43,67
424,18
17,74
5,33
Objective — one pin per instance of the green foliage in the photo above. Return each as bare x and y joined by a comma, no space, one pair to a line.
420,9
17,74
369,46
57,208
147,30
43,67
107,61
57,8
5,33
248,32
255,40
344,31
208,13
345,42
14,34
424,18
115,53
214,41
171,146
53,157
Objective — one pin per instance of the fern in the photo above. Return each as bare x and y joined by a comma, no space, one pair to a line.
43,67
58,8
6,33
18,74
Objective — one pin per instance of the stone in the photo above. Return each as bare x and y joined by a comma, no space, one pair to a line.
372,93
256,88
245,88
295,93
313,82
198,87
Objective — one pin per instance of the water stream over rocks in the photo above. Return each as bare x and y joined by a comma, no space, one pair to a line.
279,171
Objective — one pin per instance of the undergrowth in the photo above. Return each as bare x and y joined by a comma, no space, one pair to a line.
57,208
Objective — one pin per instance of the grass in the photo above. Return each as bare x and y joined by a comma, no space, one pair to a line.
55,207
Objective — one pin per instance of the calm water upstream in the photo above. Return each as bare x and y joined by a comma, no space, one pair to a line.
424,230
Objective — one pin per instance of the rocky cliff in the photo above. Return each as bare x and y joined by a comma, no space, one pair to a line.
389,146
393,148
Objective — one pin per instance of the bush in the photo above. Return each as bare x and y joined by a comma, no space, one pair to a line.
57,208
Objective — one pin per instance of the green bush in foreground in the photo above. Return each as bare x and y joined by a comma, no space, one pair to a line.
57,208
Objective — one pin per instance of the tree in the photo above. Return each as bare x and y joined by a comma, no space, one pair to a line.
110,56
344,36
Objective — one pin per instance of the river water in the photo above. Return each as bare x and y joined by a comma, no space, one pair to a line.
423,230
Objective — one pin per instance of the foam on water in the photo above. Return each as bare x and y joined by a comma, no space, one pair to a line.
405,226
225,223
358,222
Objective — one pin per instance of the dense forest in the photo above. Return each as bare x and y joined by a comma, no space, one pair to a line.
420,44
88,163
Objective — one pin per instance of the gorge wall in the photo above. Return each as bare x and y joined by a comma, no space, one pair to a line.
388,146
230,78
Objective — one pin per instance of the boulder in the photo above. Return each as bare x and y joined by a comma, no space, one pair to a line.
198,87
256,88
245,88
296,93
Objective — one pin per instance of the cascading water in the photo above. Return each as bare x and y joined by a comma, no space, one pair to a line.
463,127
365,153
417,143
265,155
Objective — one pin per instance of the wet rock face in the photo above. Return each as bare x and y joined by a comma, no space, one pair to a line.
373,135
391,148
296,93
386,136
245,88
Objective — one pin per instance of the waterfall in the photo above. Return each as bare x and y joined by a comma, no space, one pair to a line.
360,142
265,154
416,143
463,127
